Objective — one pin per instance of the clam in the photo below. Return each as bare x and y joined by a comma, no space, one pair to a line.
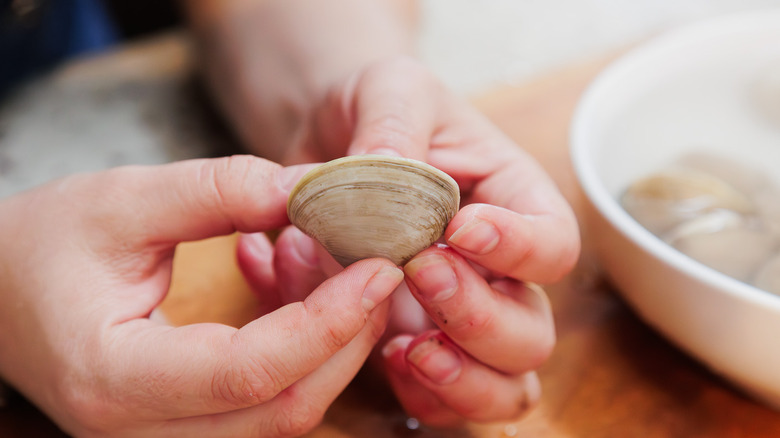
708,223
725,241
374,206
722,213
740,175
666,199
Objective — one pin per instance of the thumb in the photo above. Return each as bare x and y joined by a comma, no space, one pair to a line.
395,109
238,368
193,199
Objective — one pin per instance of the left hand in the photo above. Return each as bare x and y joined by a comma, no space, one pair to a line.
464,344
84,262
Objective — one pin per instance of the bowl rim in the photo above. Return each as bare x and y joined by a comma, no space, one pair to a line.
580,141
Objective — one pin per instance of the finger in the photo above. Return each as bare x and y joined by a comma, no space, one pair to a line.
505,324
298,409
395,106
194,199
407,315
315,392
541,238
535,247
297,264
466,386
416,400
254,256
207,368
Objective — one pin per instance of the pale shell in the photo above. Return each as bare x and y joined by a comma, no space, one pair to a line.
666,199
374,206
726,242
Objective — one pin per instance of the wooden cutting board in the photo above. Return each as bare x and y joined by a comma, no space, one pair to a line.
610,375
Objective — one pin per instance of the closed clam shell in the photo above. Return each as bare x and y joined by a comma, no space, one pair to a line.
725,241
666,199
374,206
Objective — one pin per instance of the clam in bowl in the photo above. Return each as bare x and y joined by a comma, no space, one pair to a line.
703,97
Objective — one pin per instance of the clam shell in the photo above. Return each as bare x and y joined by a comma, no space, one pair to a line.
666,199
725,241
374,206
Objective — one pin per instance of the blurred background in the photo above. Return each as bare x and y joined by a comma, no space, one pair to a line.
474,45
147,114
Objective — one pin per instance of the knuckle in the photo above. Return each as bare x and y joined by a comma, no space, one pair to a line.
540,344
484,406
545,344
377,327
492,410
338,332
391,130
480,405
535,355
241,387
525,404
336,336
297,417
226,177
248,384
518,263
566,252
88,411
565,260
570,255
476,325
394,128
536,350
109,187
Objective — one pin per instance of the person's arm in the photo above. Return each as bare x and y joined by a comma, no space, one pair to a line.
269,62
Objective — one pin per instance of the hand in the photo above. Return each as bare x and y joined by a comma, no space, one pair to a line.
267,61
465,343
85,261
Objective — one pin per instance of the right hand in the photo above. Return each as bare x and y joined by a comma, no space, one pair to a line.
492,329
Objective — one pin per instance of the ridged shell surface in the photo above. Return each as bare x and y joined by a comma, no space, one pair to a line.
374,206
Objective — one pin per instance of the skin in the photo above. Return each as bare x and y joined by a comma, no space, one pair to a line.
328,79
492,328
268,62
86,259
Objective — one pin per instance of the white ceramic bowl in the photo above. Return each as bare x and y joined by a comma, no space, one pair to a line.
684,90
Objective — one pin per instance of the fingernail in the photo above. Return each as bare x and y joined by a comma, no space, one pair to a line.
305,249
436,360
433,276
394,354
289,176
476,236
399,343
380,286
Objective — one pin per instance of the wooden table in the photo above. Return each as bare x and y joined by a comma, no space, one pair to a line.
610,375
